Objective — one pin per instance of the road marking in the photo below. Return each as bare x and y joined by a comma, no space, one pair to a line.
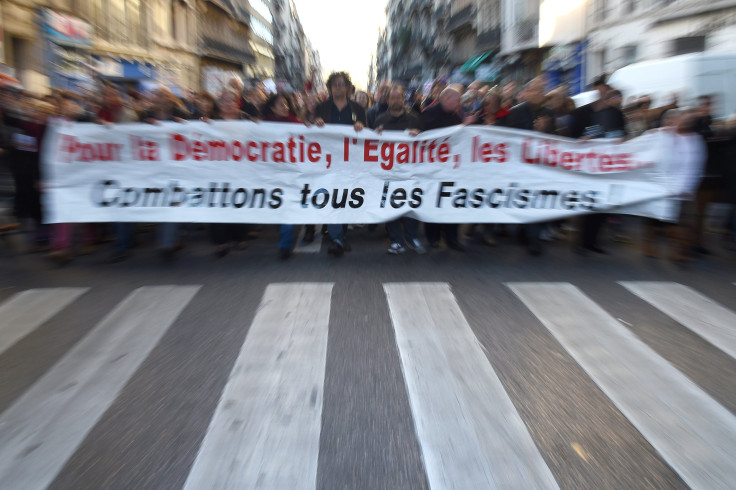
266,428
469,431
43,428
700,314
692,432
26,311
311,248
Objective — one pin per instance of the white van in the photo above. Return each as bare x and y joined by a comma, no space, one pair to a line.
688,75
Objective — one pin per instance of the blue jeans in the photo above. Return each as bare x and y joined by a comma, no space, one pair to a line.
335,232
286,234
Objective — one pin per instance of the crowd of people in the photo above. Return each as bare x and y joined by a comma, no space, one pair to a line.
704,159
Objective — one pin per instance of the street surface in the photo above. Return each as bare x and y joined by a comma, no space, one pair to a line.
485,369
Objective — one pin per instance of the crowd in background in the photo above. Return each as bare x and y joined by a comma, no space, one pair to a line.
704,158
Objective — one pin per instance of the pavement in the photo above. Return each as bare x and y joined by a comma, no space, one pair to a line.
484,369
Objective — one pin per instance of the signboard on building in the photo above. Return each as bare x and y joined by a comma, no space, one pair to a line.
65,29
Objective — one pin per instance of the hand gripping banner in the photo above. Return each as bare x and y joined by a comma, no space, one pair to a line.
245,172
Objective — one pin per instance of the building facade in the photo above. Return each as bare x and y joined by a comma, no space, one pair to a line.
570,41
183,44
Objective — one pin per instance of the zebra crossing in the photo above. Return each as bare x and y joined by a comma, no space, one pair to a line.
265,429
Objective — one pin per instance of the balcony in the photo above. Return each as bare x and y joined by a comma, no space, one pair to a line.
461,20
219,49
490,39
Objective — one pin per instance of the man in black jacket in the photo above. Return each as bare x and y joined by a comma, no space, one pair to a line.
534,116
442,115
339,109
398,117
380,106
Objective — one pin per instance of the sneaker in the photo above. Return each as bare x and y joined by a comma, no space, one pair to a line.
417,246
396,249
336,249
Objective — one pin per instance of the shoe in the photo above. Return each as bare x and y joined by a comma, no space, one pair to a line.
434,244
308,237
336,248
396,249
167,254
489,240
117,257
456,246
284,253
222,251
60,257
701,250
346,246
597,250
417,246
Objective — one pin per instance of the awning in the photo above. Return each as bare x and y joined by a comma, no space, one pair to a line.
8,81
475,61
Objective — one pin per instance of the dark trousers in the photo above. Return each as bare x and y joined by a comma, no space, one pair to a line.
591,228
434,231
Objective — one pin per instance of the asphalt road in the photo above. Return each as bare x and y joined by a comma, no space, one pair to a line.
450,370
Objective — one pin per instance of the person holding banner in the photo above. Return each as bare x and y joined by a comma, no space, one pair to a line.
224,235
339,109
166,107
278,108
398,117
442,115
533,115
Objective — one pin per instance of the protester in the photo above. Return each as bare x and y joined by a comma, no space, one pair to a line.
339,109
398,117
278,108
533,115
441,115
380,106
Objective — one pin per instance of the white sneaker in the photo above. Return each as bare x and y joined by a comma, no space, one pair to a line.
417,246
396,249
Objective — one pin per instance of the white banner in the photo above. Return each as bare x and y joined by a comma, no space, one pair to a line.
237,171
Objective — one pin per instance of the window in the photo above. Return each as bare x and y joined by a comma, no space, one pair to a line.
628,55
684,45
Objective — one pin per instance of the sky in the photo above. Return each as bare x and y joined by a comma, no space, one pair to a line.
344,32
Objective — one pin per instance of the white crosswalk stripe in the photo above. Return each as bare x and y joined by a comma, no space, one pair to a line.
470,433
265,431
691,431
700,314
43,428
26,311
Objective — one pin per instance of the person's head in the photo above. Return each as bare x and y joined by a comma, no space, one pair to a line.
671,118
437,88
163,99
362,99
705,105
381,95
229,104
686,120
69,107
601,86
235,84
534,91
338,85
111,95
450,98
206,104
556,100
396,97
278,105
491,104
614,98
